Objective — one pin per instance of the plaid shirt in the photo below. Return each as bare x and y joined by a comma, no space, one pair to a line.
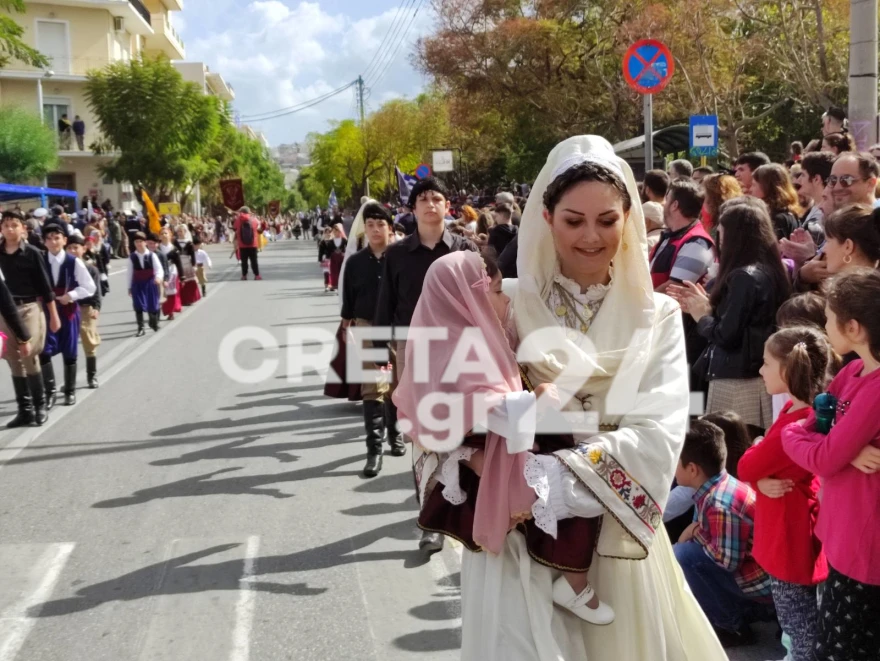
726,516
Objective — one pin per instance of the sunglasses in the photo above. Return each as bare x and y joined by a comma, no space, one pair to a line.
846,180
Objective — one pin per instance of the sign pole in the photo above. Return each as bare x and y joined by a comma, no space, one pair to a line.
649,131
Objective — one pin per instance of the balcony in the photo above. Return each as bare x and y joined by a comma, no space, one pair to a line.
165,38
219,87
134,12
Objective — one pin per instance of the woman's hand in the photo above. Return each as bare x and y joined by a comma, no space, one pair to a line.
688,533
773,488
868,460
475,463
548,398
692,298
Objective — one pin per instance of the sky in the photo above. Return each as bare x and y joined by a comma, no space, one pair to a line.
279,53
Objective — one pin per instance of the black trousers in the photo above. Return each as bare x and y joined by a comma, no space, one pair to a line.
248,254
849,620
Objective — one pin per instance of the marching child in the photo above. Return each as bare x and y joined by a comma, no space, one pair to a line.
71,282
203,263
145,276
89,308
847,459
787,505
189,286
325,249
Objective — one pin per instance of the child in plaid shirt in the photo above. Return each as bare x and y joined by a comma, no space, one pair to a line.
715,551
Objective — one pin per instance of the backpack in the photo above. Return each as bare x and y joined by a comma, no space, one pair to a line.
246,231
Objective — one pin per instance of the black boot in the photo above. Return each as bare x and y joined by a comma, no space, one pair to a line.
204,290
395,440
154,321
25,416
69,384
38,393
374,420
92,371
49,387
139,315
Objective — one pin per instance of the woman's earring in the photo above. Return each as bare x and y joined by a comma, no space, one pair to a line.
847,259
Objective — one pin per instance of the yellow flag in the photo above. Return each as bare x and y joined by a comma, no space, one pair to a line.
152,215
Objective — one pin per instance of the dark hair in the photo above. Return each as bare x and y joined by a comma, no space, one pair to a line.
9,214
859,223
836,113
736,436
796,148
584,172
752,159
818,164
682,167
376,211
803,353
749,240
868,166
704,446
779,193
802,310
657,182
853,296
425,185
813,146
689,196
490,259
840,142
705,169
197,241
504,209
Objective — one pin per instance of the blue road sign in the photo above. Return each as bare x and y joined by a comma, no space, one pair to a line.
704,135
648,66
423,171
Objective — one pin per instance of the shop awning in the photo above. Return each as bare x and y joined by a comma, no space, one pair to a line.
671,140
11,192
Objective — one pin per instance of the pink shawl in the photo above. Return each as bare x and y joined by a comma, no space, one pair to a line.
455,297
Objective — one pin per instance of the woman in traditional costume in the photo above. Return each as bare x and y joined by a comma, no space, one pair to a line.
588,321
337,254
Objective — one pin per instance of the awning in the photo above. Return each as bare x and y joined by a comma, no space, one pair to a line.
671,140
10,192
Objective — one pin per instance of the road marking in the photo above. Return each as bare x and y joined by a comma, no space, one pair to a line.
119,359
15,623
244,609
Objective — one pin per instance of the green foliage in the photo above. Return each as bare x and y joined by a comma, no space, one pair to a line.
27,147
159,124
11,45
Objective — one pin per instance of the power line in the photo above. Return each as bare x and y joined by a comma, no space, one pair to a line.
275,114
400,43
382,41
393,42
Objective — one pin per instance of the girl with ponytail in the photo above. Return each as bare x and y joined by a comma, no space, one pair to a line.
785,544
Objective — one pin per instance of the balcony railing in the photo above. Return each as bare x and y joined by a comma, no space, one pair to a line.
141,9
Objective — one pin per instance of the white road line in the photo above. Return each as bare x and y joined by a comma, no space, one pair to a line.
118,359
15,619
244,609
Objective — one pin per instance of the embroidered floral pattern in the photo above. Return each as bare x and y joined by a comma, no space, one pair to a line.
623,484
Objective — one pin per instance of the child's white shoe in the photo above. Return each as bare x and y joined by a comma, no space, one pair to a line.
564,596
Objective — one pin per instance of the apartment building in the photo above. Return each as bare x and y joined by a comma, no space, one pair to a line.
77,36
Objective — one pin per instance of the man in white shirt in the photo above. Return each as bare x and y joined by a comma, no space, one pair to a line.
71,282
145,275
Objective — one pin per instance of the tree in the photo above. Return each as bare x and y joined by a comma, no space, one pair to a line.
27,147
11,45
159,124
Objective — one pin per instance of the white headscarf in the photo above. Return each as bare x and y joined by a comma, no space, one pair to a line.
629,305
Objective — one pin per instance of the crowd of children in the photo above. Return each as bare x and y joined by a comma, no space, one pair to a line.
795,531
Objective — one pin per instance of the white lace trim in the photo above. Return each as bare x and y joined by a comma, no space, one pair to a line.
538,479
449,475
594,293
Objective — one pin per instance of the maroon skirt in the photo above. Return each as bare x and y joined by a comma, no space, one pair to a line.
336,260
344,389
576,538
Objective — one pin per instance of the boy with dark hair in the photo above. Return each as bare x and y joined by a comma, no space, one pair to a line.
24,270
71,282
145,276
715,551
90,309
403,276
745,165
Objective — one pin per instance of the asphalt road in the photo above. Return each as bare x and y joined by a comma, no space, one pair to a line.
178,514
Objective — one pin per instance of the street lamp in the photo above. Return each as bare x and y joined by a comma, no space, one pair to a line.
48,73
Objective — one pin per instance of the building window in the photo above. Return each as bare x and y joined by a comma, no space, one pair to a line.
53,41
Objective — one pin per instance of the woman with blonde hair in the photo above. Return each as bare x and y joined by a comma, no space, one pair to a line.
719,188
772,184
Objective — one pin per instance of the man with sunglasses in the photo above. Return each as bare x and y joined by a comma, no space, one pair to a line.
853,179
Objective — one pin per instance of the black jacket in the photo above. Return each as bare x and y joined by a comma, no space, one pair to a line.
784,223
739,326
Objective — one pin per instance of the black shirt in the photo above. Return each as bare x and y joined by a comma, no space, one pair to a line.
360,288
507,259
25,272
406,264
500,236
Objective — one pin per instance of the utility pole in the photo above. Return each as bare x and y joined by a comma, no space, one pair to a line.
863,72
360,92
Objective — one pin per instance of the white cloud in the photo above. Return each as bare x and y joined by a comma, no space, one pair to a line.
281,53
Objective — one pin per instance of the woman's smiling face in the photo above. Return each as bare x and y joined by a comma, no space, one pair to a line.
587,228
